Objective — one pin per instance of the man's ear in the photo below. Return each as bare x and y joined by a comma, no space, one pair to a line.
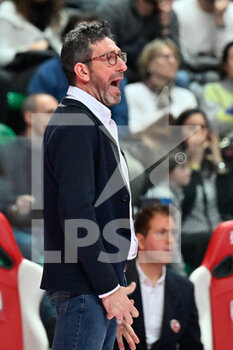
140,239
28,118
82,72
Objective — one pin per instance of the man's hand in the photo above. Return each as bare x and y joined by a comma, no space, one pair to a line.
23,204
197,144
215,148
118,305
126,331
220,7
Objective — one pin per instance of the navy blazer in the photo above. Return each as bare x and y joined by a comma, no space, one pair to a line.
179,305
80,158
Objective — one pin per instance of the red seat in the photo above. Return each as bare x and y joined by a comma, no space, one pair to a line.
213,282
10,314
20,296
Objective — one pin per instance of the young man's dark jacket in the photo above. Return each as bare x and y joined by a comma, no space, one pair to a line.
179,305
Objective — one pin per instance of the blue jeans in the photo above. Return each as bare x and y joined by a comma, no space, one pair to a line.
81,323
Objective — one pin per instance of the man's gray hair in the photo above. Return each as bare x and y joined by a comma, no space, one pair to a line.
77,45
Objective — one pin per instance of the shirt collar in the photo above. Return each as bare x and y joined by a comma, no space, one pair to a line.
102,112
145,280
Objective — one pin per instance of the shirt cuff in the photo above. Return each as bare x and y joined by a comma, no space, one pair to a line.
109,293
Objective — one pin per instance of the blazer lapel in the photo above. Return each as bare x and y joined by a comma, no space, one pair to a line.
138,324
171,306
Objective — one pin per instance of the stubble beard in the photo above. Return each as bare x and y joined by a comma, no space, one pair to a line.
102,91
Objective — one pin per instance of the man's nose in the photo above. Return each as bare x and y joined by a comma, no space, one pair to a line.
121,65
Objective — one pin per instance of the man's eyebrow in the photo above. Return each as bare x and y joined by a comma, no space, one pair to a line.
112,51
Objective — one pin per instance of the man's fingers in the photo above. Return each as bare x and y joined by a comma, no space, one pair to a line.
120,339
133,311
129,339
127,331
130,288
119,306
109,316
131,332
128,318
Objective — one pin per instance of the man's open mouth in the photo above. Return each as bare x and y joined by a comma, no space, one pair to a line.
116,83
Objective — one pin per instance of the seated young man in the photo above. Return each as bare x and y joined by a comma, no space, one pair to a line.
168,317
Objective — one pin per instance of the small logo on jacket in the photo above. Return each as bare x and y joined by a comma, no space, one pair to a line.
175,325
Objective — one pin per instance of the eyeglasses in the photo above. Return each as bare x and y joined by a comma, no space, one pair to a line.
111,58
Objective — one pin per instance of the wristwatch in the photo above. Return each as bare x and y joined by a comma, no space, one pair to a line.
222,167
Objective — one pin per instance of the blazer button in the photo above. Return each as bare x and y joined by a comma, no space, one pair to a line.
125,198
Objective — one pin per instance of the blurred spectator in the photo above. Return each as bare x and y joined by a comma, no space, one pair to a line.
136,22
205,28
165,10
171,187
15,161
168,317
200,207
30,32
5,87
156,95
217,98
29,26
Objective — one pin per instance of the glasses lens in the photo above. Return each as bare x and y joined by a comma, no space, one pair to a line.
123,56
112,58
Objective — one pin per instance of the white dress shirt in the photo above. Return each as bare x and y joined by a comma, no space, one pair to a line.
103,113
153,305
